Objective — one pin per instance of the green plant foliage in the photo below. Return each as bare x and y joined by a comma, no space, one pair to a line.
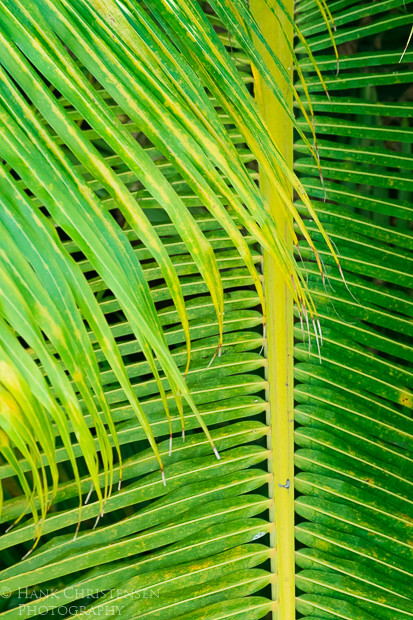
80,82
132,313
131,309
354,434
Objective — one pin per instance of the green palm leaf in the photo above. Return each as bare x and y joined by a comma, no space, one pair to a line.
354,410
147,286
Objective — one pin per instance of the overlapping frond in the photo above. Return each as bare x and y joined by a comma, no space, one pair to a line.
354,511
111,113
132,309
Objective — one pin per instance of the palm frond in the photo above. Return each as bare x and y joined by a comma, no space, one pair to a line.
136,247
76,91
354,409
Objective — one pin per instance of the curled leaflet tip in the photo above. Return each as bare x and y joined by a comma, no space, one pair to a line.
183,435
89,494
77,530
297,247
328,281
26,555
217,352
302,324
320,332
408,40
346,285
163,477
308,328
317,341
216,453
323,279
